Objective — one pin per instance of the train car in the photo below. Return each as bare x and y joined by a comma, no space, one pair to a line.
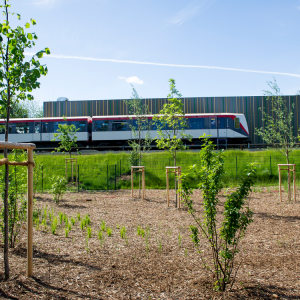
115,130
40,130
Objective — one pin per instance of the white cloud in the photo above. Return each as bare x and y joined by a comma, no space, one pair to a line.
189,12
161,64
132,79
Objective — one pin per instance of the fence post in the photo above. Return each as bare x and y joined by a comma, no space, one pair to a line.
120,167
115,177
78,177
107,179
42,179
270,165
236,167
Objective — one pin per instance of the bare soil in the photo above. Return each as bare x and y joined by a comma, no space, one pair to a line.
68,268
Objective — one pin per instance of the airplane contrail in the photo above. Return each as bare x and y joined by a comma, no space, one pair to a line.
162,64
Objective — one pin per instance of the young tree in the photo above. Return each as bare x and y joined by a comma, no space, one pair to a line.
171,125
278,127
141,141
223,236
66,134
17,80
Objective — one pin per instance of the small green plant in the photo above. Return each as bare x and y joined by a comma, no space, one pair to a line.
44,223
66,232
54,225
88,220
69,226
61,216
103,226
109,231
58,187
185,252
101,237
147,236
82,224
78,217
123,232
89,232
179,240
140,231
72,221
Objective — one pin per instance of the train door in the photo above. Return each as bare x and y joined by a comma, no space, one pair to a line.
222,127
37,131
45,131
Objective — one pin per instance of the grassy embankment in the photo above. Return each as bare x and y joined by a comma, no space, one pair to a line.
102,171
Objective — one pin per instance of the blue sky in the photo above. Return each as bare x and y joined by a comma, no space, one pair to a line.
99,47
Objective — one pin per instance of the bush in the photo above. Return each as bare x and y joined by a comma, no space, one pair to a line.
58,187
224,236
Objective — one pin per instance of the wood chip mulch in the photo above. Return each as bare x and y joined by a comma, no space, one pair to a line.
171,268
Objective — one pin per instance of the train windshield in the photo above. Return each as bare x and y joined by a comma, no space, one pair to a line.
197,123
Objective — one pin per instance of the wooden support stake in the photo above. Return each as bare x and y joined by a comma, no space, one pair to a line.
30,214
132,182
168,187
279,183
294,182
290,168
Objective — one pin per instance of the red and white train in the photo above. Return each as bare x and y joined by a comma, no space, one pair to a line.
115,130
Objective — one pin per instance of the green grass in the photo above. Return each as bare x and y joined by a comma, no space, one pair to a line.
109,170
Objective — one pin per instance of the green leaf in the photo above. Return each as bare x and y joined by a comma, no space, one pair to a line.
33,22
27,25
47,50
40,54
29,35
19,16
1,38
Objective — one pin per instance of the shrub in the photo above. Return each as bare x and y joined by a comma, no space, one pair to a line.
224,236
58,187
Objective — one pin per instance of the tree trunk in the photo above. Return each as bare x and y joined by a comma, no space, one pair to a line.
6,261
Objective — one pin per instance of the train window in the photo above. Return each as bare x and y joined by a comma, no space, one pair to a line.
22,128
45,127
236,123
36,127
213,123
119,125
55,124
79,125
101,126
10,128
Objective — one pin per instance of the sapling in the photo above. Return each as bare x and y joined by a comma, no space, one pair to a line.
70,226
82,224
223,238
66,232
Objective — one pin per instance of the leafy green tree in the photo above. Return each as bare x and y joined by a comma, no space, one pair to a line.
141,138
222,236
171,125
278,127
17,80
66,134
17,111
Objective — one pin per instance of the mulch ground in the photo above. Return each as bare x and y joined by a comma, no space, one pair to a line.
171,268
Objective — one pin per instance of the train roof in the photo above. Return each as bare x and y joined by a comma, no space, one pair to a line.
47,119
186,115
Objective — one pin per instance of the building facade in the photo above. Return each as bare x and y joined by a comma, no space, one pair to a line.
250,106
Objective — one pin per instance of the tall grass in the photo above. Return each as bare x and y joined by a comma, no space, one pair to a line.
112,170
